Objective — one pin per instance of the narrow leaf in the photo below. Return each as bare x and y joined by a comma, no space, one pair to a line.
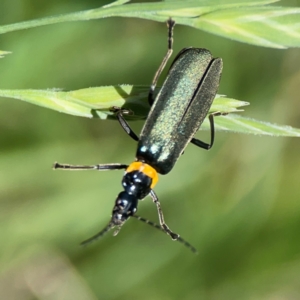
96,102
118,2
224,104
240,124
276,27
242,20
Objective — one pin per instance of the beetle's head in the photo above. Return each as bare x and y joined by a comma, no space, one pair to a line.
125,207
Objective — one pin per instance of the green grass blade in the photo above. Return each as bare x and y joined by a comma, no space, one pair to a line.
89,103
224,104
242,20
117,2
95,103
276,27
240,124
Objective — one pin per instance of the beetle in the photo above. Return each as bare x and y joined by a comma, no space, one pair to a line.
176,114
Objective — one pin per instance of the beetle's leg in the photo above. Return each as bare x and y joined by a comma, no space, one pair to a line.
162,223
104,167
119,112
179,239
170,24
212,132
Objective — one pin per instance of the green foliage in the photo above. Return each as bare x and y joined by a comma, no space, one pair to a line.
246,21
96,102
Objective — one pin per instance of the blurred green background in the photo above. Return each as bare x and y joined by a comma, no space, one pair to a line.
238,204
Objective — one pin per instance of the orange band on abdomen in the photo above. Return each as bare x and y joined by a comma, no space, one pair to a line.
146,169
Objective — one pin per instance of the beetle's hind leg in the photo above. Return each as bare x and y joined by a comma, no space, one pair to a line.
204,145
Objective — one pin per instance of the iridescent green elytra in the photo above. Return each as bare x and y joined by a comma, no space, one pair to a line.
179,108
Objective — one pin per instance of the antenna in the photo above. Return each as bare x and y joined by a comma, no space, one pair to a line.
111,225
98,235
179,239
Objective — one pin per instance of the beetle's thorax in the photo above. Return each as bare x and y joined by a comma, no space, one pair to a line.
139,179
